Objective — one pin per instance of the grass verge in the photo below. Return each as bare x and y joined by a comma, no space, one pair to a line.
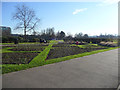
40,59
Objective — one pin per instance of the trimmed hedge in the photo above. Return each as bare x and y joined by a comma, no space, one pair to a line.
92,40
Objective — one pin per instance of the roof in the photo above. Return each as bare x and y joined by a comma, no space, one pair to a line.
4,28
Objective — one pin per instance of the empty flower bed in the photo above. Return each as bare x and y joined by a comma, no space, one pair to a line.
62,45
29,47
6,46
13,59
18,58
62,50
21,53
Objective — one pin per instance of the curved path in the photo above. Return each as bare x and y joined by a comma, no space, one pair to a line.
93,71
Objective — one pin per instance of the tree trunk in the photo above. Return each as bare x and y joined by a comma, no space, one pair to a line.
25,34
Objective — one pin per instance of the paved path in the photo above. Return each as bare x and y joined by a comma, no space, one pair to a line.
93,71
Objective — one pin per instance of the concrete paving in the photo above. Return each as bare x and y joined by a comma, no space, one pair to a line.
93,71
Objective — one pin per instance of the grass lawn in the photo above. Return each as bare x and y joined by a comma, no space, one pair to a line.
84,46
42,55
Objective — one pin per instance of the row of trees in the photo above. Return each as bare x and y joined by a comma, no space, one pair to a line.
27,21
49,34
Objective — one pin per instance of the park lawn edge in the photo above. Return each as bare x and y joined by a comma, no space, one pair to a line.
6,68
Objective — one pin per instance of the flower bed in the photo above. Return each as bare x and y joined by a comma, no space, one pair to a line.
18,58
29,47
62,50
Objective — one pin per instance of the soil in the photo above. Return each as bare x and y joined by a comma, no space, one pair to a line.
62,45
18,58
62,50
29,47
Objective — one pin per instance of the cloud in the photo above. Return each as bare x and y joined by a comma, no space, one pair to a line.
111,1
79,10
108,2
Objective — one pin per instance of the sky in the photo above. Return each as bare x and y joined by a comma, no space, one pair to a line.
92,18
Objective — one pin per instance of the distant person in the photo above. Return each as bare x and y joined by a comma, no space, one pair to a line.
77,43
16,41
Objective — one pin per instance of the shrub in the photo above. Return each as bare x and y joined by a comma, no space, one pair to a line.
108,44
16,41
95,40
4,39
8,39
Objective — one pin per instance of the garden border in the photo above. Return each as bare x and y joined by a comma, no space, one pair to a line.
6,68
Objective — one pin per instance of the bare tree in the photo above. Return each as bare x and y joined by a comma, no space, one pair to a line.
26,17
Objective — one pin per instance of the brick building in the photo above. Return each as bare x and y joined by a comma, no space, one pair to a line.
6,31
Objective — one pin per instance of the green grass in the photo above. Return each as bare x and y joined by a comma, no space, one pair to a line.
6,43
0,50
39,60
6,68
93,44
53,41
115,42
83,46
6,50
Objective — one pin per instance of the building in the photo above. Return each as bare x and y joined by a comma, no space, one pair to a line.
6,31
